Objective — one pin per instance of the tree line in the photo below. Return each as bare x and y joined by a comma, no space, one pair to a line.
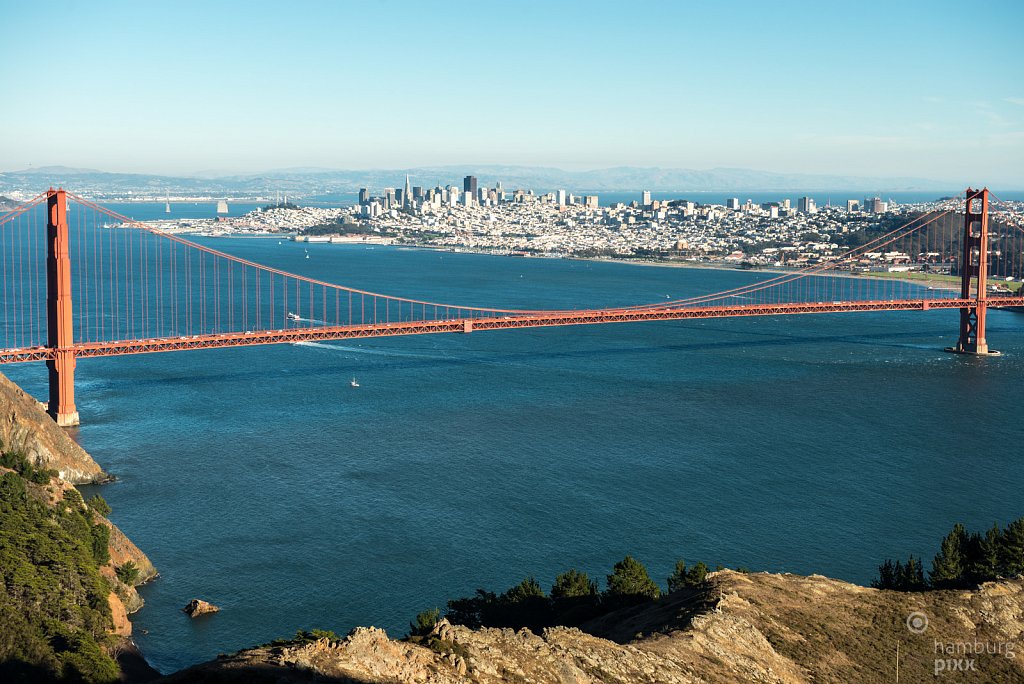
964,560
574,598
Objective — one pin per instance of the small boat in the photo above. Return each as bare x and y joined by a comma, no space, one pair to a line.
293,316
354,383
307,253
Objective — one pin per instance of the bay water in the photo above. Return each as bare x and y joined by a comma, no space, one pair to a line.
260,480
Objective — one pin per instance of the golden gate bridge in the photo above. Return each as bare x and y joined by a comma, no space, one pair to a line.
80,281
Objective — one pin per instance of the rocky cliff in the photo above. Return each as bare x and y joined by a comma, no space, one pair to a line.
758,627
26,428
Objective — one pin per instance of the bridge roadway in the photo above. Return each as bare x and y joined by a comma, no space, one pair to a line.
464,325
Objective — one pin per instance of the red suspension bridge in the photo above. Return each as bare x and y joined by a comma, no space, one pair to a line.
136,289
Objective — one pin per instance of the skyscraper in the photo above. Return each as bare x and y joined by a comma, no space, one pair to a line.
364,195
806,205
407,195
469,185
646,198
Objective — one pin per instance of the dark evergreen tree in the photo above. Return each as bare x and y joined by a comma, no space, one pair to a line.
573,584
912,577
629,582
901,577
524,605
949,565
1011,560
983,556
697,575
886,575
677,580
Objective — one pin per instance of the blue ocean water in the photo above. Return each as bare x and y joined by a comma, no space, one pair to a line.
258,479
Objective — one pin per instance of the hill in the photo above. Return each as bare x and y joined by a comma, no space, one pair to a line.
69,575
761,627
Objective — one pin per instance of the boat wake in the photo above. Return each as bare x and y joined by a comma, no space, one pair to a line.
372,352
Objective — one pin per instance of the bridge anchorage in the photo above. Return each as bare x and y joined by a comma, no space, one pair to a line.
136,289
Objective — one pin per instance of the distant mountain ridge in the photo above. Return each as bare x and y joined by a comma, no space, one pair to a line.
315,180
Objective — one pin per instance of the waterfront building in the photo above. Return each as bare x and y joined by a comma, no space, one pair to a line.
645,198
222,207
732,203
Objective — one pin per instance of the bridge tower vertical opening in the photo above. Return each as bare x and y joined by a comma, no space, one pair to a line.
60,333
974,275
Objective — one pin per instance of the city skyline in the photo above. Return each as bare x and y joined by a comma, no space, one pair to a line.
242,88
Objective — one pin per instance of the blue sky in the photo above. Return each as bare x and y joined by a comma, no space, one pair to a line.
868,88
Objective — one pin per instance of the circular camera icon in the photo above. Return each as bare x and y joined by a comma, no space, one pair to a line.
917,623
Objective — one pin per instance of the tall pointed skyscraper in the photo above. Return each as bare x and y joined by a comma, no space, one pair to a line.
407,195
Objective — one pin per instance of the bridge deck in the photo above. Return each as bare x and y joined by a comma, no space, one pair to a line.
460,325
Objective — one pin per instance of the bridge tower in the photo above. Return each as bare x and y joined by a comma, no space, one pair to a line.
60,334
973,276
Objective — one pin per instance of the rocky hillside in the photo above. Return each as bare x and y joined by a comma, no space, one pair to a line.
68,574
25,428
737,628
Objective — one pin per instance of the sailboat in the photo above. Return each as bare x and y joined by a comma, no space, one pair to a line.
307,253
354,383
167,205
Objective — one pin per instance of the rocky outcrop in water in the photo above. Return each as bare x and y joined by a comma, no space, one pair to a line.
781,629
26,428
197,607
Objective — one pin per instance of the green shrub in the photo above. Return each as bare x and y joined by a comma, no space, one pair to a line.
128,573
424,622
98,504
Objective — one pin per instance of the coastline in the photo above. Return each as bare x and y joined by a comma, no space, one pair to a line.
938,282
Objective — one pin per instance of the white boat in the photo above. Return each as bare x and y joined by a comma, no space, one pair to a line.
293,316
307,253
354,383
